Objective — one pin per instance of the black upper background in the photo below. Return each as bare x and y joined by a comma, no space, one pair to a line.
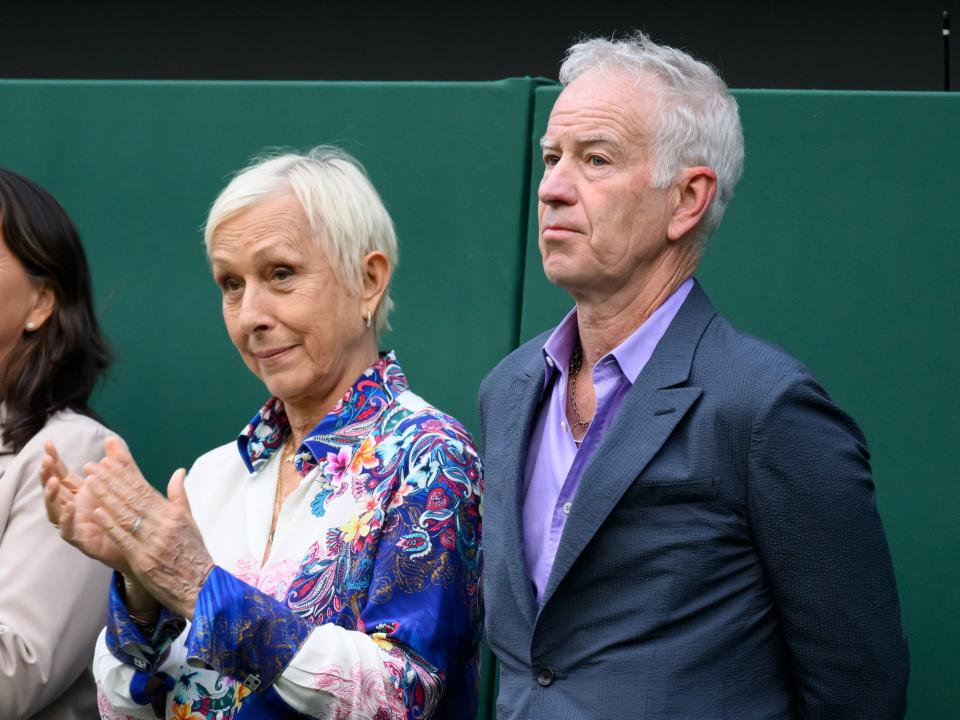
871,46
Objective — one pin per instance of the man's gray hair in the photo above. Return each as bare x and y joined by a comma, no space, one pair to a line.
345,212
697,119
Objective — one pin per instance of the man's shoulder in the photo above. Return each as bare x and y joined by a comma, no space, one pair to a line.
737,357
518,361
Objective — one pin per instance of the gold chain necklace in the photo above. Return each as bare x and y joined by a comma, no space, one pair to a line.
576,362
286,455
287,445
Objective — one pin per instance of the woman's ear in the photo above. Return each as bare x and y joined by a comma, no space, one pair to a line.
42,308
375,272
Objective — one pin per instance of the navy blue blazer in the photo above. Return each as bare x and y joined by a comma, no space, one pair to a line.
723,557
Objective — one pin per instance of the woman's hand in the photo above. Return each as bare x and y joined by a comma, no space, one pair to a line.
70,505
157,536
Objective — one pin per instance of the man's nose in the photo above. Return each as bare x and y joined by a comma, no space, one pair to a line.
557,186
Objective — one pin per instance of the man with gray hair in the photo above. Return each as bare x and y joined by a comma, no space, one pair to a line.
679,523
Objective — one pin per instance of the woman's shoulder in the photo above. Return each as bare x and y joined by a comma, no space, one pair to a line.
418,416
222,460
71,423
75,435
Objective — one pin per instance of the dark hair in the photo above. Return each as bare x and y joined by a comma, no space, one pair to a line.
57,366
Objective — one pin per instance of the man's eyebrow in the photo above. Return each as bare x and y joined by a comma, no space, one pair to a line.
597,139
583,140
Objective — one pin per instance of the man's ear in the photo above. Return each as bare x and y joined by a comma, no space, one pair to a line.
42,307
694,191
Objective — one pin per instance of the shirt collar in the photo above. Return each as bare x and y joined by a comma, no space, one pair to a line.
346,424
559,346
631,355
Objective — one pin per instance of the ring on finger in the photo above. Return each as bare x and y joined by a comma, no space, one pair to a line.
136,525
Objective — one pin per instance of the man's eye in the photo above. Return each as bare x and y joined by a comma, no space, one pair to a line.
597,161
282,273
230,285
551,160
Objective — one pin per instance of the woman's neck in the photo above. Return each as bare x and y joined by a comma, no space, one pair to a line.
305,414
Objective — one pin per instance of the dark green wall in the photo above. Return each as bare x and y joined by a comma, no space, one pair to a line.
839,246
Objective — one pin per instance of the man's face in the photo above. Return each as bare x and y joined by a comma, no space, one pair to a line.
602,227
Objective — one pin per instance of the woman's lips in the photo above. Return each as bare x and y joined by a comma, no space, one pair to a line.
273,354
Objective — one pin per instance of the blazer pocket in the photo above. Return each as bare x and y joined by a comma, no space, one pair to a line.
647,492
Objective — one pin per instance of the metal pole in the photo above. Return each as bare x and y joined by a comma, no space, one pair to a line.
946,50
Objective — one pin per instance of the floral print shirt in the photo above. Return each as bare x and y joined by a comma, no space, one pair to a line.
368,604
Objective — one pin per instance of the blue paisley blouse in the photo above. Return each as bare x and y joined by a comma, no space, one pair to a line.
368,604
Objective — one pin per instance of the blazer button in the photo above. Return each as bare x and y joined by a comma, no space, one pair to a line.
545,677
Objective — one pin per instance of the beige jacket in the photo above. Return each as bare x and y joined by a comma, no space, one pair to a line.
52,597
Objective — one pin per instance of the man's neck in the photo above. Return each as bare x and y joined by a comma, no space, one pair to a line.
606,321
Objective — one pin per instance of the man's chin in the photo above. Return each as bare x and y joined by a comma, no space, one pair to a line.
560,272
565,277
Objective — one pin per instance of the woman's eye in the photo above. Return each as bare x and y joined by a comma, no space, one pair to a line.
280,274
551,160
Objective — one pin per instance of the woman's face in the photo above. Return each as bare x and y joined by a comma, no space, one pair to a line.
295,325
18,299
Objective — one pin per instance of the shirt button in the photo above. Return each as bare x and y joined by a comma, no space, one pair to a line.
566,508
545,677
563,425
549,361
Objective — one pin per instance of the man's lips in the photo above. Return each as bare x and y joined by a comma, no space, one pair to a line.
557,228
556,231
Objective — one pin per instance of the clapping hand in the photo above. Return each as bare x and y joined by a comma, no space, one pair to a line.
70,507
114,515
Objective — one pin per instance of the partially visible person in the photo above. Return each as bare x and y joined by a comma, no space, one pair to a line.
328,558
52,597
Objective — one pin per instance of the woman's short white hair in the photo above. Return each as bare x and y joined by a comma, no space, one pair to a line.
698,121
346,215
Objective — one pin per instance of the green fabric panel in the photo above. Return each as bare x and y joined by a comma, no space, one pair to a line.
137,165
840,246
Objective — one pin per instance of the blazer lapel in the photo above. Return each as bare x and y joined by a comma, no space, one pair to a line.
513,435
651,410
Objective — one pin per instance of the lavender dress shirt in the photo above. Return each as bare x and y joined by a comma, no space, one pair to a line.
555,463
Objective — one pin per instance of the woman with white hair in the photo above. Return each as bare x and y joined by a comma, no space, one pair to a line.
324,564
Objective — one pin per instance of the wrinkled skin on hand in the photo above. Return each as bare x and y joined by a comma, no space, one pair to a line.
163,556
70,505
